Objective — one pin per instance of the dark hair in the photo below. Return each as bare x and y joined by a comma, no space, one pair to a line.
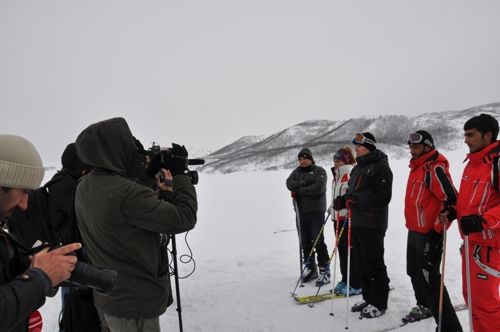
483,123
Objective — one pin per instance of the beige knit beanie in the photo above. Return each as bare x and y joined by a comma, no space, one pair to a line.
20,164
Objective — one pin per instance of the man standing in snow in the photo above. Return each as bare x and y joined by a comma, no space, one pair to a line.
23,289
478,212
429,190
307,184
121,222
368,197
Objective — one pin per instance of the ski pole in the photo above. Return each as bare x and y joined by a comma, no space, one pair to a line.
177,288
284,231
329,261
441,286
310,253
348,268
297,222
335,260
467,277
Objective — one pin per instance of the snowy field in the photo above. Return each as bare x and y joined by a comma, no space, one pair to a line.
247,261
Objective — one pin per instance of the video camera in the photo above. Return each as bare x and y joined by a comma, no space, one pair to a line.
173,159
85,274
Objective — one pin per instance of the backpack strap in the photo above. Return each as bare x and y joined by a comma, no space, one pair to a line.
493,158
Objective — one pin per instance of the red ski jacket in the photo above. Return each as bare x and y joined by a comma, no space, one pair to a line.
428,191
480,194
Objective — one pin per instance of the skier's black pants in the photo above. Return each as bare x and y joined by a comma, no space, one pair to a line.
310,226
354,277
369,244
423,259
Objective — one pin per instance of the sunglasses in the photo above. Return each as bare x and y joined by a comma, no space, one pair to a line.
416,138
361,139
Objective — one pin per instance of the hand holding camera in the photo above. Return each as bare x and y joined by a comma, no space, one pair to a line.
58,263
165,180
61,266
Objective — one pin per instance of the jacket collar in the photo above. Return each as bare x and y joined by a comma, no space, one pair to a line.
426,157
480,155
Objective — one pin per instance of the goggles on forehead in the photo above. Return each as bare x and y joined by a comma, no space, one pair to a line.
416,138
338,155
361,139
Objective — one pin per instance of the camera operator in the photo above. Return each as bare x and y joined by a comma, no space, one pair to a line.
24,287
121,220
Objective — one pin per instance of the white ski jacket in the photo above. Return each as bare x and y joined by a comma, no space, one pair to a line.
339,187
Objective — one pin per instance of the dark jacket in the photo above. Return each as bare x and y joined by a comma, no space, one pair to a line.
309,183
121,220
21,292
49,217
371,187
61,206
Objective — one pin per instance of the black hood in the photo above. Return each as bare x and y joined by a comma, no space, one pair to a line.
109,145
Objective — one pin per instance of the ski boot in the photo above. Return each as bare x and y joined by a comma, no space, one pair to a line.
310,272
339,287
371,311
417,313
358,306
352,291
324,276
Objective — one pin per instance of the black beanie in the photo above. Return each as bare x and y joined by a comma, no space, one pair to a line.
369,145
305,153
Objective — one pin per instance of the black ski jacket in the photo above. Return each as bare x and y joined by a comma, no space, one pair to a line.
371,187
309,183
21,293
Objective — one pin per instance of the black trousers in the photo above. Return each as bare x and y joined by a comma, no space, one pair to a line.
310,227
354,277
423,260
369,253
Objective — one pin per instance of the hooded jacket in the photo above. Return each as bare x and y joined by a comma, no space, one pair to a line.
428,191
370,186
479,194
121,220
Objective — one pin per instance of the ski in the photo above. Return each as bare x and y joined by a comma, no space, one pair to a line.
457,307
318,298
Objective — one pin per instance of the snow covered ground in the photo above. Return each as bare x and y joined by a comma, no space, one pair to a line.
247,261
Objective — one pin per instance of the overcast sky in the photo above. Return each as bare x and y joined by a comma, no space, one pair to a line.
206,72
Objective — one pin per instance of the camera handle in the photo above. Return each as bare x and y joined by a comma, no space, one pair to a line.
176,277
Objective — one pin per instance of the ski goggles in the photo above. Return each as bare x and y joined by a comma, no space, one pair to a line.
416,138
361,139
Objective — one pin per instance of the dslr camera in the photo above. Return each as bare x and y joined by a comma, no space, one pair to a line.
84,274
174,159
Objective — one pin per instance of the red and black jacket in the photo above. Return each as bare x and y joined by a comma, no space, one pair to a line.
480,193
428,191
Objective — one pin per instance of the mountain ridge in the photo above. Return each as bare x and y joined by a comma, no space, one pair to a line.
324,137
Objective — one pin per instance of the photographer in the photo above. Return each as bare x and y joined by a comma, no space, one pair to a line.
24,284
121,221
